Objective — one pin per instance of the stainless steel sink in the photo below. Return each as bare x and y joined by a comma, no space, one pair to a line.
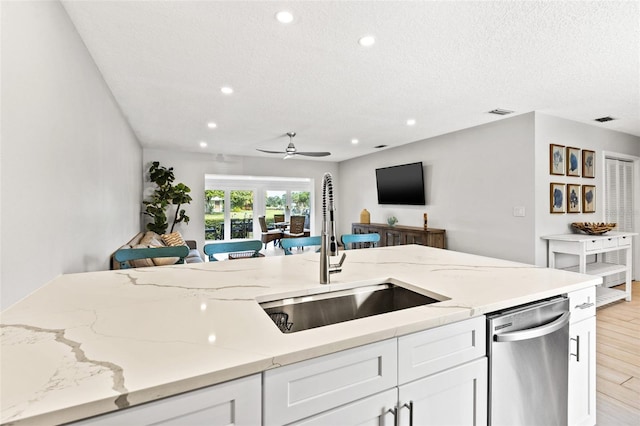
293,314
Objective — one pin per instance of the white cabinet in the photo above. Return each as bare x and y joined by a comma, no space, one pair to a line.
582,359
433,375
457,396
236,402
585,245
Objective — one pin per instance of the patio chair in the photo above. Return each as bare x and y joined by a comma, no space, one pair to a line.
296,228
269,235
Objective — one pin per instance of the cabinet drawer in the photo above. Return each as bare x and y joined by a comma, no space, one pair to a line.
427,352
610,242
300,390
624,241
236,402
582,304
592,245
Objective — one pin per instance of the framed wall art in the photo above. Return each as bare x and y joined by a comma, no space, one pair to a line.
588,199
556,159
588,163
557,197
573,161
573,198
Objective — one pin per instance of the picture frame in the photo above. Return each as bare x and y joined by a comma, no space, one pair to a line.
556,159
573,161
588,163
557,198
573,198
588,198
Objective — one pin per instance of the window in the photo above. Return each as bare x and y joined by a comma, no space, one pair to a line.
233,204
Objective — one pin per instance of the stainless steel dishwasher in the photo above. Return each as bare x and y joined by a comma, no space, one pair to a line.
528,364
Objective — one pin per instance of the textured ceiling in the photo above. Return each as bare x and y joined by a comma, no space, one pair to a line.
444,64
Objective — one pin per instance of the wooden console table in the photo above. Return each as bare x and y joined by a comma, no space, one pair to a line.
401,235
582,245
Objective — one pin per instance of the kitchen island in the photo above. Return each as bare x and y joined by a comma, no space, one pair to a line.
91,343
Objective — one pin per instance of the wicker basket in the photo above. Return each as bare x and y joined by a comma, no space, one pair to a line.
594,228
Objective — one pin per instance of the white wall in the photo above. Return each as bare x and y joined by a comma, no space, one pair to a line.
550,129
190,168
473,179
71,167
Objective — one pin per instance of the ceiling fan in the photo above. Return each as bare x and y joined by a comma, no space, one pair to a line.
291,150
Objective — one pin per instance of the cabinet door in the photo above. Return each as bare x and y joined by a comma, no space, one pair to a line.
582,373
374,411
457,396
391,237
237,402
415,237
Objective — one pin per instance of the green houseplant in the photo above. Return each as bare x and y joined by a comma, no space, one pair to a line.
166,194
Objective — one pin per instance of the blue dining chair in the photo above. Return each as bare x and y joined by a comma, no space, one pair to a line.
288,243
244,247
123,256
360,239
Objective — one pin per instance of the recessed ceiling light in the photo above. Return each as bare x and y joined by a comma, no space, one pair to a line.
203,144
354,141
212,125
367,41
284,17
226,90
411,122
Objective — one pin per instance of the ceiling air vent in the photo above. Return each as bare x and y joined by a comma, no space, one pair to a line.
605,119
499,111
380,146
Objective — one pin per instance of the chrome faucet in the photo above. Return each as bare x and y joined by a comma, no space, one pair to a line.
328,243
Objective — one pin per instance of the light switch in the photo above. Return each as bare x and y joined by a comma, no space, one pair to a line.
518,211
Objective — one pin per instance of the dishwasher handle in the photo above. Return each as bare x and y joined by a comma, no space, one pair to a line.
533,333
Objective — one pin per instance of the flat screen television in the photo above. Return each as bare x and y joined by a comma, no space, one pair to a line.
403,184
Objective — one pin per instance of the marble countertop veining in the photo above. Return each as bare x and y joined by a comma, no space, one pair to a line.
91,343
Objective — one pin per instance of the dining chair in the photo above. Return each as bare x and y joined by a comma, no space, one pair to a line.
269,235
123,256
236,249
360,240
296,227
278,218
289,243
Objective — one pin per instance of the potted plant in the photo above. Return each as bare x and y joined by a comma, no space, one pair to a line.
166,194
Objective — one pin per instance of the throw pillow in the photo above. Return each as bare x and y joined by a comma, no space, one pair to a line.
173,239
148,236
162,261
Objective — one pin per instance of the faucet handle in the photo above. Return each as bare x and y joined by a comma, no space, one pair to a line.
339,264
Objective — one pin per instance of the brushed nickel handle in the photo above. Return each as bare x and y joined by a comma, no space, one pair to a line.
394,411
585,305
577,354
410,407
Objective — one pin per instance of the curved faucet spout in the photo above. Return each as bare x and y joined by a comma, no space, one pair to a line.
329,242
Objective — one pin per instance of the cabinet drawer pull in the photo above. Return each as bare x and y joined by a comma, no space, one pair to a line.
394,411
410,407
577,354
584,305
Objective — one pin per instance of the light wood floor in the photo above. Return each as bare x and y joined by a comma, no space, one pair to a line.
618,362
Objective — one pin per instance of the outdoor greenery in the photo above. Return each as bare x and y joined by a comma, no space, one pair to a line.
241,208
165,195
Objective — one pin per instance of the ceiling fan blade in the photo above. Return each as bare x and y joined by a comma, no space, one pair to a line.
314,154
270,152
288,156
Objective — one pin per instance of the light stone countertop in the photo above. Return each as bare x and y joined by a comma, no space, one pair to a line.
94,342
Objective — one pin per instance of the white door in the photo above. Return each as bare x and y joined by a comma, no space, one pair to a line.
619,206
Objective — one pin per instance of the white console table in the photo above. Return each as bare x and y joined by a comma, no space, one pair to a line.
583,245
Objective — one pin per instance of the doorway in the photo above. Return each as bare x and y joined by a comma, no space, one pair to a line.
622,188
